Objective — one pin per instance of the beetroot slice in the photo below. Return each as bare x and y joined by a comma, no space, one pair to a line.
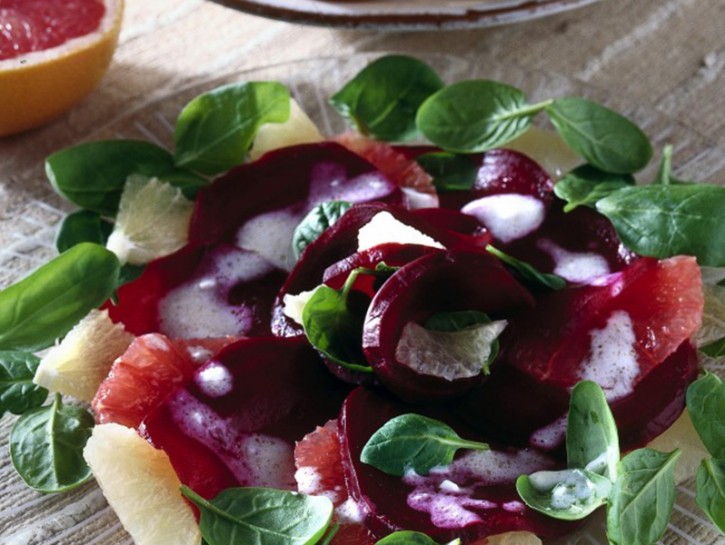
292,179
235,423
235,283
455,280
478,501
629,331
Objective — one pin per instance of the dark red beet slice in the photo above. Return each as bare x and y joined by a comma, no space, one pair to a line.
455,280
479,498
630,332
199,280
242,412
292,179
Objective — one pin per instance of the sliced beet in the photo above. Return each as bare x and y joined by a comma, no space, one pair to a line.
201,291
455,280
292,179
242,412
630,332
473,498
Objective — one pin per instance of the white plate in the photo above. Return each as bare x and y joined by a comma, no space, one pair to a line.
30,217
405,14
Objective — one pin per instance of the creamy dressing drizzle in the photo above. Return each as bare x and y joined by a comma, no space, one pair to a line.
575,266
508,216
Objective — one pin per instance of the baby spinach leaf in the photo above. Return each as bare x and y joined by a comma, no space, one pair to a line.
92,175
476,115
316,222
664,174
715,349
335,329
261,515
414,442
382,100
407,537
216,129
529,274
706,405
50,301
606,139
711,491
642,498
450,171
46,447
570,494
585,185
592,441
82,226
457,320
18,392
667,220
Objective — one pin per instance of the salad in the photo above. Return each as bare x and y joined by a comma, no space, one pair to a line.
280,337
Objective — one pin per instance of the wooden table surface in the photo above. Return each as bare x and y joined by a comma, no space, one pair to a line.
664,54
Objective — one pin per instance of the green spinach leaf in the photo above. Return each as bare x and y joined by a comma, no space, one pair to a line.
706,405
715,349
46,447
476,115
711,491
606,139
216,129
585,185
667,220
570,494
414,442
592,441
316,222
382,100
529,274
664,174
92,175
407,537
457,320
82,226
261,515
18,392
49,302
642,498
450,171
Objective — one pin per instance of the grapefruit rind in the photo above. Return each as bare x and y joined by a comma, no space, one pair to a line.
141,486
153,221
81,361
39,86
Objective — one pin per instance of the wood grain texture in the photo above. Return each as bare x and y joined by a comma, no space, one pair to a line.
662,54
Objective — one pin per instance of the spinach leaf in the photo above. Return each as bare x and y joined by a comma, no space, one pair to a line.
476,115
316,222
529,274
261,515
82,226
46,447
382,100
215,130
711,491
450,172
592,442
407,537
92,175
606,139
335,329
411,441
642,498
667,220
457,320
664,174
18,392
715,349
570,494
706,405
49,302
585,185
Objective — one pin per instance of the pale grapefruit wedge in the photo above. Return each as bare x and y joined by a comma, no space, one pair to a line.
52,54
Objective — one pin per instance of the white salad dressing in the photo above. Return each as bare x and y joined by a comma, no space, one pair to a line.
269,235
199,308
567,487
550,436
612,360
215,380
383,228
575,266
508,216
417,199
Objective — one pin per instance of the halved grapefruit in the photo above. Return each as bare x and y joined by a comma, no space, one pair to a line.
52,54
